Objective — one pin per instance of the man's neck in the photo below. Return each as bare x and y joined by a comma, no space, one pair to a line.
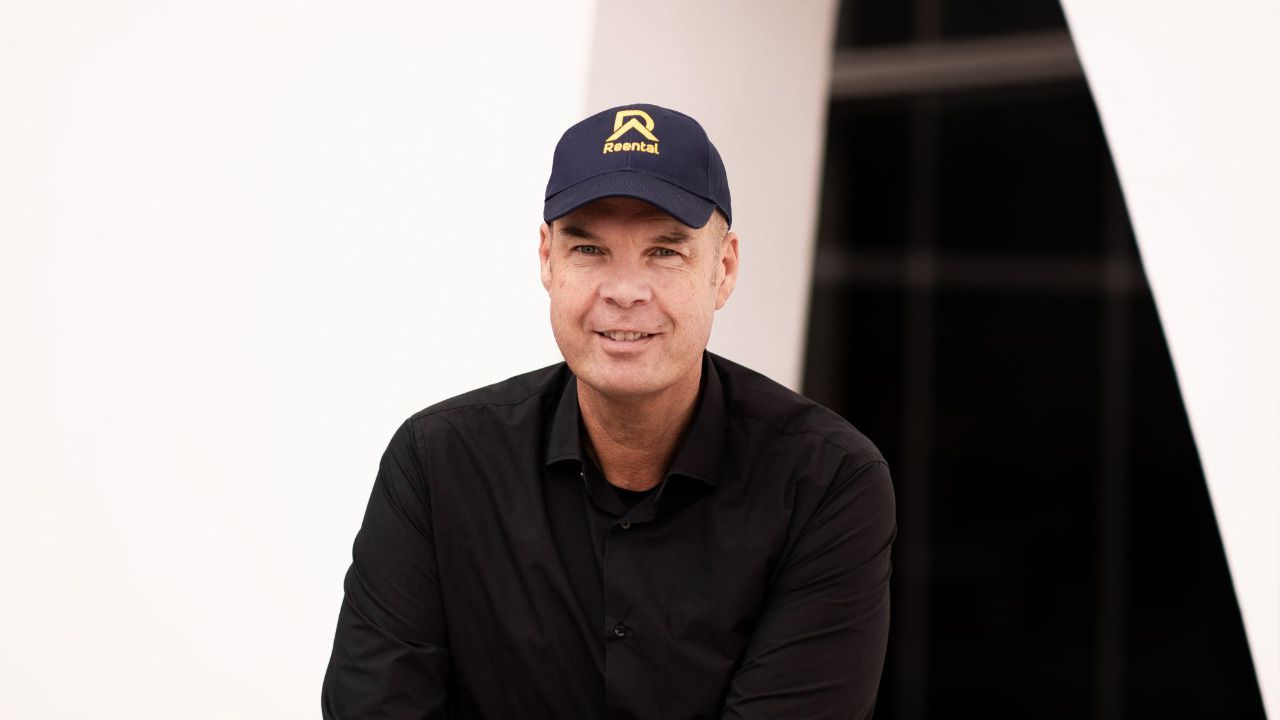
633,440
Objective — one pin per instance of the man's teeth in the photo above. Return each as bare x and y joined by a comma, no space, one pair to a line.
615,335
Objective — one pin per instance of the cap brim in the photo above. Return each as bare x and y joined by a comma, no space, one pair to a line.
682,205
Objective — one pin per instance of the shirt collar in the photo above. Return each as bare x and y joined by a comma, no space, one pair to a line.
701,448
699,452
563,443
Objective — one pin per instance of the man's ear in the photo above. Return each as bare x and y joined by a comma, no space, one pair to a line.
727,272
544,254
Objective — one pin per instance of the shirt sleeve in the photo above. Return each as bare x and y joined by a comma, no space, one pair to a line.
818,648
390,655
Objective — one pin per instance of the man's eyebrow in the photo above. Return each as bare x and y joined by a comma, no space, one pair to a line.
674,237
577,232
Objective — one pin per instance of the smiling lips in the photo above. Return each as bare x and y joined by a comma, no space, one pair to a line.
624,335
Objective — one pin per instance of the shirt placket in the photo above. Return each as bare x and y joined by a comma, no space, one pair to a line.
623,628
620,633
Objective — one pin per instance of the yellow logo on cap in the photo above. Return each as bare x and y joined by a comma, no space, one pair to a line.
626,120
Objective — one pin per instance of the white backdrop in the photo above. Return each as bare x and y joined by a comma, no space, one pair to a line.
1187,95
239,242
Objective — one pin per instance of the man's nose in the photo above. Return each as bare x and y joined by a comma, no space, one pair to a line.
625,284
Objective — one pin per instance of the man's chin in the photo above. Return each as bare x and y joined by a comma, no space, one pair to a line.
626,386
623,391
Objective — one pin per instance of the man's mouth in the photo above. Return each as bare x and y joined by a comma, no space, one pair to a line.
624,335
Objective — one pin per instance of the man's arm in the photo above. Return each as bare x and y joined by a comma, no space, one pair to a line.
390,658
819,646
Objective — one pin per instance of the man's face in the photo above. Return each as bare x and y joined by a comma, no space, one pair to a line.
633,292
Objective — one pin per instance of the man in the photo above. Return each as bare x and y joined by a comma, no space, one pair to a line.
646,530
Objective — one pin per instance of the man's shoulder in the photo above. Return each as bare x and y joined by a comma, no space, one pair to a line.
533,387
791,417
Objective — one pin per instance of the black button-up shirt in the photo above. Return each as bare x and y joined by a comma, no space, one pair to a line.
499,575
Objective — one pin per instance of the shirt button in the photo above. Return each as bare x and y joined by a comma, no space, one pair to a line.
620,630
625,525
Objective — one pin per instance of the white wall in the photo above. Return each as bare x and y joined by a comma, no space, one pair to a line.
239,242
1187,95
755,73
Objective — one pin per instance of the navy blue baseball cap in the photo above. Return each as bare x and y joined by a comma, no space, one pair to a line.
642,151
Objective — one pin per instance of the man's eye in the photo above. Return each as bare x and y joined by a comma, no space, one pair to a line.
665,252
586,249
